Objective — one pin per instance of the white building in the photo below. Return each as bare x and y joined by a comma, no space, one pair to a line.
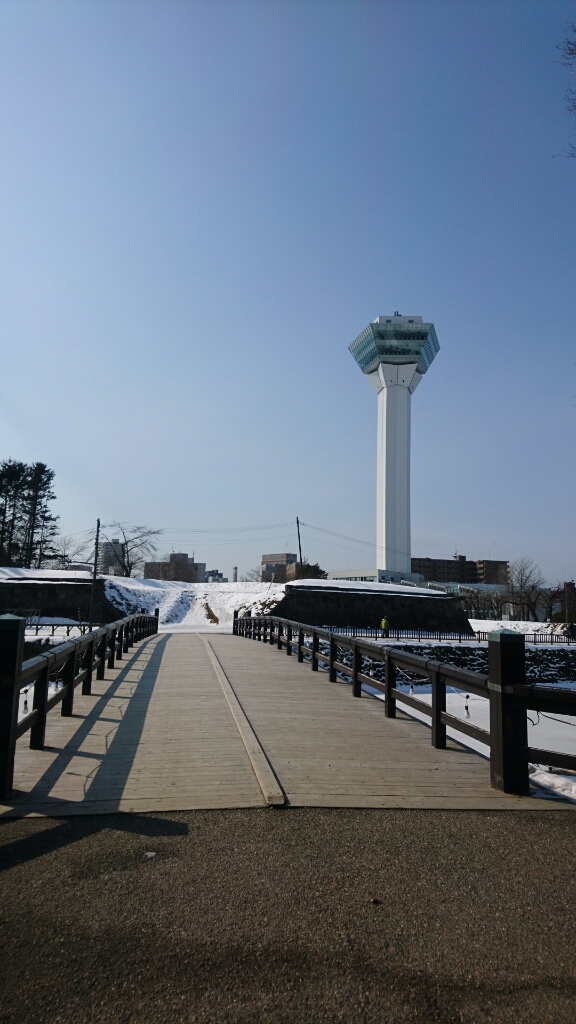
394,352
111,557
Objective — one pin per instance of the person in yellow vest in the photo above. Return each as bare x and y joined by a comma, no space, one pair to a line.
384,626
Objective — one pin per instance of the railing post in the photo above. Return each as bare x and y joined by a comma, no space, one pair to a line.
265,632
39,702
120,643
289,640
112,648
101,655
300,645
126,637
69,677
356,668
157,617
315,642
508,720
332,657
89,666
11,652
280,628
438,706
235,623
389,685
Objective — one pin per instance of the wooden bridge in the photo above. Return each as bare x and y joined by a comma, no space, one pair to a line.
190,721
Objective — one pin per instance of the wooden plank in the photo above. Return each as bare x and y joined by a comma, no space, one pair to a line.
271,790
156,734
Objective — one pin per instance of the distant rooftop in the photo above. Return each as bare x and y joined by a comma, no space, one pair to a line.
395,339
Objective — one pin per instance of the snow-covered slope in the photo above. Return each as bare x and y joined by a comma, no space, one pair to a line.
487,625
192,606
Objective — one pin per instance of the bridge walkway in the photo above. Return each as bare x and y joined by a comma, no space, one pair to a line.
189,721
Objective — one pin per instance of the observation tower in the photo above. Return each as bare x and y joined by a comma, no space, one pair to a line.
394,352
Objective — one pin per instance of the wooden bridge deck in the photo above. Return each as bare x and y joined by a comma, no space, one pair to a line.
190,722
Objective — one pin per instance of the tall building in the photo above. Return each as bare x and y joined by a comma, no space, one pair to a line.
394,352
111,557
460,570
179,568
278,568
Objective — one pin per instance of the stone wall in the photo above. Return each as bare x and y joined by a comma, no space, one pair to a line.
342,608
59,600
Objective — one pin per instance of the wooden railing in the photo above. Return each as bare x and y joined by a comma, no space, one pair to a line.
70,664
505,687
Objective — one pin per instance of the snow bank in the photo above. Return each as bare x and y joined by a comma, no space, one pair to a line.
555,784
42,575
363,585
191,607
487,625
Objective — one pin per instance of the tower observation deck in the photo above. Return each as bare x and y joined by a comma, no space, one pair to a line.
394,352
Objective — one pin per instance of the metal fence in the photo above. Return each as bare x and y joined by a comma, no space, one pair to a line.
377,633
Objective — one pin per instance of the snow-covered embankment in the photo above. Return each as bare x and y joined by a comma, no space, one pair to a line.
191,607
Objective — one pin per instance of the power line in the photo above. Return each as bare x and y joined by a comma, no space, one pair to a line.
342,536
228,529
354,540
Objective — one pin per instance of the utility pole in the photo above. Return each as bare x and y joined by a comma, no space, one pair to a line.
300,548
94,574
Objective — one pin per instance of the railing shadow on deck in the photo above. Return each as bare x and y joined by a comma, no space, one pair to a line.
71,664
115,764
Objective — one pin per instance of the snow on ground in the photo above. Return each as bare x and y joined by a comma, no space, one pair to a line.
191,607
42,575
487,625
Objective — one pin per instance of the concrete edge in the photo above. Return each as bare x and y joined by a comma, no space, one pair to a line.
271,789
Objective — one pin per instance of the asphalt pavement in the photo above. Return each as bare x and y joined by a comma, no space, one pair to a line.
287,916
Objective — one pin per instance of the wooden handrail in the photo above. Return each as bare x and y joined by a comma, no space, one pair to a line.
505,687
72,663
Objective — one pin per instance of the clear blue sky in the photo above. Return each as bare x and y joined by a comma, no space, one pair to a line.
203,203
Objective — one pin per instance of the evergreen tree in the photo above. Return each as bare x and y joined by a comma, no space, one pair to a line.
27,527
13,476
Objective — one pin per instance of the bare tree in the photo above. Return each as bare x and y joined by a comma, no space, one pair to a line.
252,576
483,604
72,549
525,588
136,545
568,51
551,598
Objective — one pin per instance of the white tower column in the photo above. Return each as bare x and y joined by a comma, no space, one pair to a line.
394,385
394,352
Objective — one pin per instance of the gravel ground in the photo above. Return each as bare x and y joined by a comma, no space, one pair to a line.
289,915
